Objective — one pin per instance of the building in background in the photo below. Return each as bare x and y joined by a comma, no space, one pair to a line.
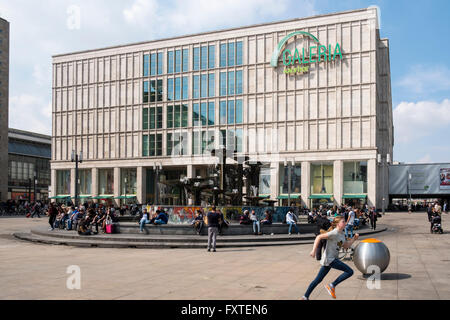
4,105
312,93
29,165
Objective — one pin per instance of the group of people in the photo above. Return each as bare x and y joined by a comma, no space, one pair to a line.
159,217
199,221
252,219
81,219
434,212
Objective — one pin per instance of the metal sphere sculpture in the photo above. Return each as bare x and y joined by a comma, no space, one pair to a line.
369,253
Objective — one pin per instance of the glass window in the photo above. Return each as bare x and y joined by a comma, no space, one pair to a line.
223,138
196,64
296,183
211,113
145,119
196,89
203,113
196,142
62,180
169,116
152,118
159,117
169,144
170,62
128,181
321,178
355,177
151,145
231,112
212,57
177,116
159,90
85,179
204,58
223,55
152,91
153,64
239,53
159,144
106,179
239,82
178,61
239,111
177,88
185,88
185,60
204,86
231,53
231,83
146,64
264,181
170,89
223,83
160,63
223,112
195,114
184,115
145,92
230,140
211,85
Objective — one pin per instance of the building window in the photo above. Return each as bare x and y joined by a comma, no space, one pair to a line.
145,145
212,57
178,61
296,174
239,112
231,54
196,142
239,53
196,87
160,63
231,83
146,64
177,116
128,181
321,178
231,112
153,64
176,143
204,58
155,145
85,181
223,55
207,142
159,90
223,112
106,181
170,61
152,90
145,119
195,115
355,177
152,118
211,85
170,89
62,182
169,116
196,58
239,82
203,113
211,113
223,83
204,86
177,88
264,181
145,92
185,90
185,60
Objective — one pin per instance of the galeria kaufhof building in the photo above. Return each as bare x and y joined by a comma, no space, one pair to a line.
312,93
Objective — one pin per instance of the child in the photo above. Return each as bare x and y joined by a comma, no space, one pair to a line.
335,240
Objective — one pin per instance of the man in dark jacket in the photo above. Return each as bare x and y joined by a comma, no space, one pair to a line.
161,218
52,213
213,228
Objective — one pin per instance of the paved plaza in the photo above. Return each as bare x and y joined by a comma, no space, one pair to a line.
419,268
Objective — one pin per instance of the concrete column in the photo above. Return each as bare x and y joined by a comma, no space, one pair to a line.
274,179
372,182
52,192
94,183
117,190
72,183
306,183
190,174
338,181
141,184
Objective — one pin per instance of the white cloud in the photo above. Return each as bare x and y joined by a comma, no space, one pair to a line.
425,159
420,119
31,113
141,13
425,79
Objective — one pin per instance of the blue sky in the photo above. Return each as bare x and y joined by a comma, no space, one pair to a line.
418,32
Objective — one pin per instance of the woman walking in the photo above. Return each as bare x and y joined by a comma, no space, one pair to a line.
335,240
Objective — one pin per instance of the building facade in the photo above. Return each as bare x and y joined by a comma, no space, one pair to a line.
29,156
4,105
311,93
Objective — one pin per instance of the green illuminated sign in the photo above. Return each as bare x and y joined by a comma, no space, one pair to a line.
299,63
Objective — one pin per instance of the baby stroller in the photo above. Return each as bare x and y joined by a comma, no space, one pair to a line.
436,226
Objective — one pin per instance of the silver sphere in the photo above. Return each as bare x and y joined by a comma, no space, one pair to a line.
369,253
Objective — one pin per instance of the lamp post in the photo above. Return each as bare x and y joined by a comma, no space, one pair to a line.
157,167
77,159
35,184
384,163
289,164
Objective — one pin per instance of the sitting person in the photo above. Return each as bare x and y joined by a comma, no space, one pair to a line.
84,226
291,220
198,221
222,222
245,219
144,220
98,220
255,222
162,218
268,218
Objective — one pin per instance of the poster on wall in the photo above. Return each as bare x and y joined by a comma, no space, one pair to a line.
444,179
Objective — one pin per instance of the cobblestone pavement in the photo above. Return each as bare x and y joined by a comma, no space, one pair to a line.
419,268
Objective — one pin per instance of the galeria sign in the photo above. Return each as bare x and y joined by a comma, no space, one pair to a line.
298,63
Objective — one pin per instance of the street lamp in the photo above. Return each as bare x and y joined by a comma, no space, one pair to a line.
77,159
289,164
384,164
157,167
35,184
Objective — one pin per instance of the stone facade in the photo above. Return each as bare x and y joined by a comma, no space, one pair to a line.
337,112
4,105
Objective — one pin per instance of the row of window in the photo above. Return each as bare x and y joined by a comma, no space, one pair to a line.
203,114
203,87
203,59
202,142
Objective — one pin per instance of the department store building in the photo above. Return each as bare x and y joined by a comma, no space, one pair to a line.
311,93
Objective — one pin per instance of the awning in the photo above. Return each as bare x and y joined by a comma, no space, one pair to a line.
265,196
354,196
60,197
293,196
102,197
82,197
125,197
321,196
